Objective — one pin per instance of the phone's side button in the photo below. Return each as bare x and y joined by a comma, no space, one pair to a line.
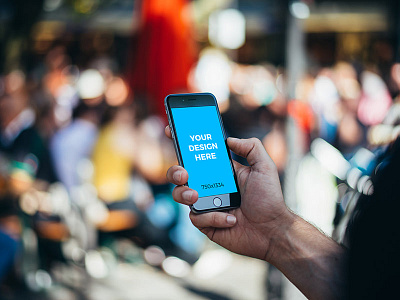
217,202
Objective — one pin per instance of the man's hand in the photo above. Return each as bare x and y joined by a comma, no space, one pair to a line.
263,227
249,229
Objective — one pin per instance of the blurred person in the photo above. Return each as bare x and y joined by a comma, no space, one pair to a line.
301,111
395,76
59,82
349,89
257,108
70,146
113,158
388,131
75,142
393,115
360,107
351,134
130,161
155,155
256,85
375,100
9,249
55,78
335,98
275,145
26,155
264,228
20,139
325,103
44,106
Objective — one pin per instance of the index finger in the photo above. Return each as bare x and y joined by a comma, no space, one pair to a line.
254,152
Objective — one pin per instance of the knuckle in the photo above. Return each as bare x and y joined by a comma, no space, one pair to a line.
255,141
177,194
170,171
214,219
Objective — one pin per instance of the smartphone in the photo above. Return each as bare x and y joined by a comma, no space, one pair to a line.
200,145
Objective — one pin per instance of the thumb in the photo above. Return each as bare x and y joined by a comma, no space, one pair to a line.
253,150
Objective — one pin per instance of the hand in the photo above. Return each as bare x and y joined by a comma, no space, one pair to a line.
250,229
264,228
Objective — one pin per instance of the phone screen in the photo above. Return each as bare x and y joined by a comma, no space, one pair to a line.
203,150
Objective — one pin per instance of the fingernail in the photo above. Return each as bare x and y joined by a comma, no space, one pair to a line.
231,219
187,195
177,176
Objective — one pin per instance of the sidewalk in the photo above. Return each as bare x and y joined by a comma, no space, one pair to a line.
218,275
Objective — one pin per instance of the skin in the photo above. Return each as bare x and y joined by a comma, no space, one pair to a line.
264,228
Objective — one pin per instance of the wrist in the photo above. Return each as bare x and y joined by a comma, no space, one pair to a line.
280,237
309,259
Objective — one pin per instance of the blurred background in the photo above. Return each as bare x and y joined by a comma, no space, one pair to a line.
85,209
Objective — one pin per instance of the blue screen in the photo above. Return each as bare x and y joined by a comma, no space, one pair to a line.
203,150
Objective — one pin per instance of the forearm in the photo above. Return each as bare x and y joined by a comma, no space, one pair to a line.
310,260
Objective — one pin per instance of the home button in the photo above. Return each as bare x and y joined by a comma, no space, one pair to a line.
217,202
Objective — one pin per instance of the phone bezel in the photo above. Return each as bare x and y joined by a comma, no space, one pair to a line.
198,100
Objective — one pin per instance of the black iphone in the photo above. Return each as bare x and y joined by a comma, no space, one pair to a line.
200,145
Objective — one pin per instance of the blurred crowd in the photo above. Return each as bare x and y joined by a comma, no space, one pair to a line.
83,163
83,158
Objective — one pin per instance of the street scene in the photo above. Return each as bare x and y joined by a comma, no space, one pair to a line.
87,211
